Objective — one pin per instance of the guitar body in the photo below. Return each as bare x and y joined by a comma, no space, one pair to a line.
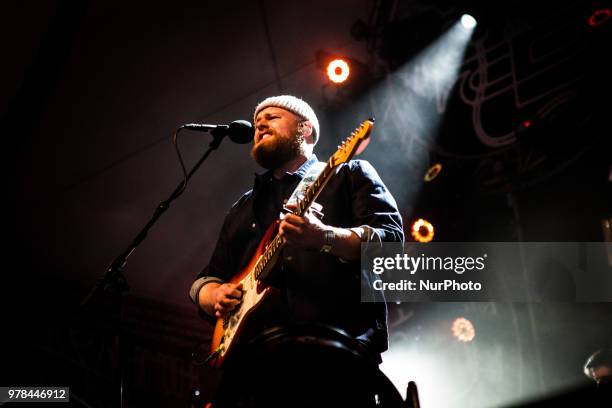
242,321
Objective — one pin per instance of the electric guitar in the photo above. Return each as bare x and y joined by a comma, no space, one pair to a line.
228,330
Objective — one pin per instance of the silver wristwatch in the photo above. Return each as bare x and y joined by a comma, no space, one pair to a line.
328,241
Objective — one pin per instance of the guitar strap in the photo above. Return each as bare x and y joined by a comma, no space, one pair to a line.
309,178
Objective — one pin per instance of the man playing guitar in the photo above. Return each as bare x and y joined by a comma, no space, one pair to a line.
319,273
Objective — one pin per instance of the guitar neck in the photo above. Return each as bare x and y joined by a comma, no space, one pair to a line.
303,204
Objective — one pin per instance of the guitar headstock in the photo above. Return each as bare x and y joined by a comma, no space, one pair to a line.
354,144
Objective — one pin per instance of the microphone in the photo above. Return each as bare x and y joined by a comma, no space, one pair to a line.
239,131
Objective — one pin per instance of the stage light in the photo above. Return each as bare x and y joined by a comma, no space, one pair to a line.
468,22
599,17
463,329
433,172
528,124
422,230
338,71
347,75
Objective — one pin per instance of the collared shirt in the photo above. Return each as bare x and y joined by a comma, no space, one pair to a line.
316,287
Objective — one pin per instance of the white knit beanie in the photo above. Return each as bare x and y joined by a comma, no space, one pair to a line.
292,104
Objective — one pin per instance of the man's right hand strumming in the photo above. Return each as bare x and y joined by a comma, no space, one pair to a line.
220,299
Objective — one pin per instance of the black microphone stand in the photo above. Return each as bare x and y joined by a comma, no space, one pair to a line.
114,282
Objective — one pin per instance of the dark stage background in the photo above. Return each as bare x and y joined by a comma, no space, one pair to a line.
92,91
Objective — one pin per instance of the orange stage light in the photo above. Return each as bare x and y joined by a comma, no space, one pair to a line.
433,172
338,71
422,230
463,329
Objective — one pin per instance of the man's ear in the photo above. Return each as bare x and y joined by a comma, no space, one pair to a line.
306,130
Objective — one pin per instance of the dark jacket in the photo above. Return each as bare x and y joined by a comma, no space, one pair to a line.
316,287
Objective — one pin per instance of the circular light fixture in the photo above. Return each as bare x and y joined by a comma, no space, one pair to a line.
338,71
422,230
599,17
468,22
463,329
433,172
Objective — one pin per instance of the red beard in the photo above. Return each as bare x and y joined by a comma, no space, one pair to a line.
274,151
